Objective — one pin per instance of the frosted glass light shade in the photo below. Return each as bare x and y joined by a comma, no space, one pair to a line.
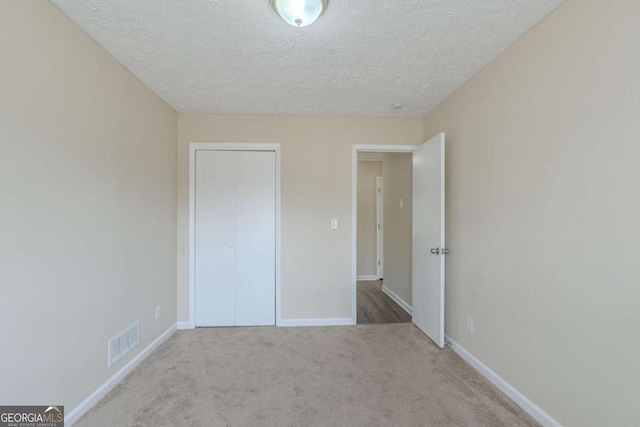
299,13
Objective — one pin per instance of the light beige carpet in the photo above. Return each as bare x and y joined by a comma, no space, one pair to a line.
370,375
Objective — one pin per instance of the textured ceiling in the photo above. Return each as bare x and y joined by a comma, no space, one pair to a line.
358,59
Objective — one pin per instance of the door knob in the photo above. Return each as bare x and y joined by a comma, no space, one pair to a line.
445,251
435,251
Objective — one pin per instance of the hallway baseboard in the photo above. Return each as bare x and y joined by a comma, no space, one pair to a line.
402,303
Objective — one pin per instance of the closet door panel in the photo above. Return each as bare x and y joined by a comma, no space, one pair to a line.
215,225
255,238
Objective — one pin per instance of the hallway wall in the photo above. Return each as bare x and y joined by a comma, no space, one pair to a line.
398,172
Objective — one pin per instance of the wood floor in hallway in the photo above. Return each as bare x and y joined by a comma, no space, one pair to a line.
374,306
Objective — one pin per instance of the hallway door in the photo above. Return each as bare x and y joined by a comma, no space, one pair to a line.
429,239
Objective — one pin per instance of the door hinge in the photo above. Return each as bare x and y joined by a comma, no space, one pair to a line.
378,262
378,226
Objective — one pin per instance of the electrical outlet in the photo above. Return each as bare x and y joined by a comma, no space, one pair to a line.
157,312
470,324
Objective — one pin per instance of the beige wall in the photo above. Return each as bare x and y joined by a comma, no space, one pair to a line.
316,186
398,184
370,157
87,217
368,171
543,213
542,208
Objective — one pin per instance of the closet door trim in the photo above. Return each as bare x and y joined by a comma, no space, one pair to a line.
193,148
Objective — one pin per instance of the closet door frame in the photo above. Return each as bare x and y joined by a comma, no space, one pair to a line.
217,146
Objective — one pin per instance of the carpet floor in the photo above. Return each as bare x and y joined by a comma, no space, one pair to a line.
369,375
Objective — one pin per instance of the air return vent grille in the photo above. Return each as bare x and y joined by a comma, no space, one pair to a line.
123,343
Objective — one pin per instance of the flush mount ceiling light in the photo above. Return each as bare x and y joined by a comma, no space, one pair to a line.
299,13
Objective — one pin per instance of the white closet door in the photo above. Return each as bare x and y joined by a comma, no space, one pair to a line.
235,238
255,238
215,223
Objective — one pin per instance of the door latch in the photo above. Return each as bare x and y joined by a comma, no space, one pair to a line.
438,251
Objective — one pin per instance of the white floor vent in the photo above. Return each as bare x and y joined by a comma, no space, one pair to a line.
123,343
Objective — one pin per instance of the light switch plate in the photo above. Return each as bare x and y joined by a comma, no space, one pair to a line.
334,223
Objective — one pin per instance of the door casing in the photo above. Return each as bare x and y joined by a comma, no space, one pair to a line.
196,146
363,148
358,148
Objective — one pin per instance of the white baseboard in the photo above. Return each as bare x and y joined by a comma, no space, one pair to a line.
185,325
402,303
317,322
105,388
520,399
366,278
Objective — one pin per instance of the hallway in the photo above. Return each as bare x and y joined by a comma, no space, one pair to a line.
374,306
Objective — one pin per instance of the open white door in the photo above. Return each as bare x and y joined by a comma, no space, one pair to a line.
428,239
